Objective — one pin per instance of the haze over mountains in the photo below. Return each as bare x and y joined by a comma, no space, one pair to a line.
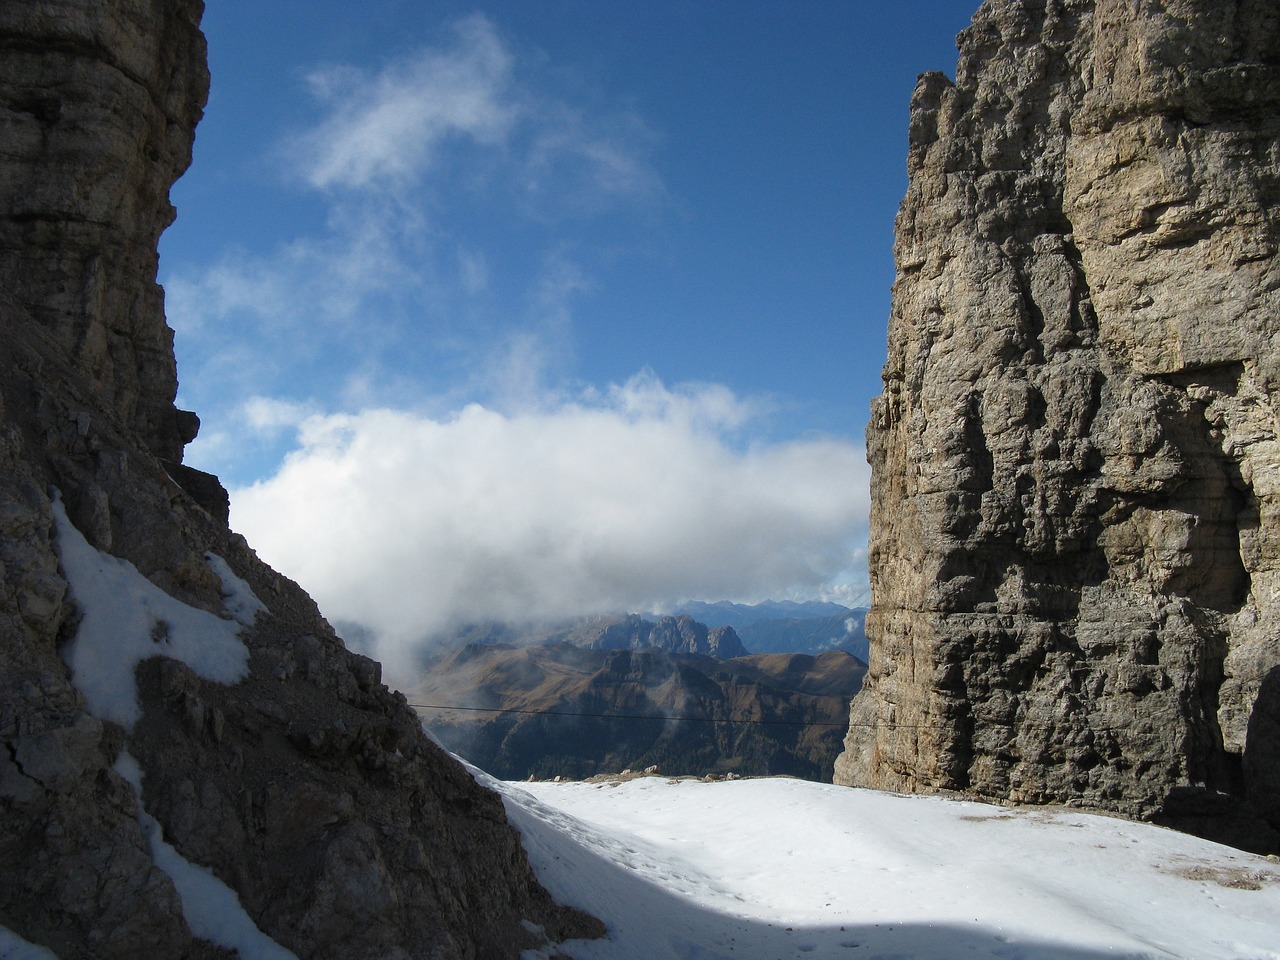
770,626
677,634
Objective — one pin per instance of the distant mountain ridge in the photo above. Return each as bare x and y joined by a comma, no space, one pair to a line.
674,634
722,629
740,615
787,626
598,694
630,631
566,709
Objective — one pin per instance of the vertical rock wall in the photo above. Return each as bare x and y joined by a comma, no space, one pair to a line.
100,102
1075,543
307,787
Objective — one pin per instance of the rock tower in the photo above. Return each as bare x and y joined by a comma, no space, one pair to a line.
1075,530
306,787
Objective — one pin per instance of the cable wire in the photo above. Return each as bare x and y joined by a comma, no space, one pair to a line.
629,716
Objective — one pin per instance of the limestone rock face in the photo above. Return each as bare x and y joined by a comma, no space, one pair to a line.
308,788
1075,532
99,104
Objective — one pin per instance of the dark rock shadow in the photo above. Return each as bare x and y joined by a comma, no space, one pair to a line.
1248,819
1261,760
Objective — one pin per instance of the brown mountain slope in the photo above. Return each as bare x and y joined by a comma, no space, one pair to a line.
575,711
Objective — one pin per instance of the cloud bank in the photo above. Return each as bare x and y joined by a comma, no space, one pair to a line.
409,525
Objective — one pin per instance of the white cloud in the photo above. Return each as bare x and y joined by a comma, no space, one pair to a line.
385,126
408,525
473,271
385,130
324,283
405,278
270,415
604,157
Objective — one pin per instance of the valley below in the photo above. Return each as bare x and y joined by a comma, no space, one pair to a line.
603,695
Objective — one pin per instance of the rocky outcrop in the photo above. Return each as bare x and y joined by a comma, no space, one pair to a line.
629,631
679,634
1075,544
683,634
305,786
100,101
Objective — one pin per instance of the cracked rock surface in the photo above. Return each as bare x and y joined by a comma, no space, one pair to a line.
1075,532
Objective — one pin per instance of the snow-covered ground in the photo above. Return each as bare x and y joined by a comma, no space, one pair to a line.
778,868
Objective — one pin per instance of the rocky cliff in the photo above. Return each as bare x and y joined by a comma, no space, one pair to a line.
163,694
1075,546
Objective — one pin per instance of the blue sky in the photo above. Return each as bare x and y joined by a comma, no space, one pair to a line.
515,257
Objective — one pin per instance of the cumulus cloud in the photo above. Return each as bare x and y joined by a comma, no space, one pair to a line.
622,500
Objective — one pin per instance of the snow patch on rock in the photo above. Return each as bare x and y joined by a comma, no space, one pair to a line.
13,947
212,909
238,598
125,618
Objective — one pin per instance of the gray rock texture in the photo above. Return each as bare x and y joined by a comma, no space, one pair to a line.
308,787
1075,540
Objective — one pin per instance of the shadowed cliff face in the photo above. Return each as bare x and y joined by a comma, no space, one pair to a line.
305,786
1075,544
100,103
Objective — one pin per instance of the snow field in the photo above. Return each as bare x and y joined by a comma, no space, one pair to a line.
773,868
